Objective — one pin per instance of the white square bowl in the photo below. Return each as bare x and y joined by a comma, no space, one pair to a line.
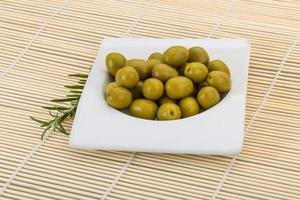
217,131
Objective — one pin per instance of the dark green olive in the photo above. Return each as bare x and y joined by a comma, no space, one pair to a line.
141,67
208,97
218,65
119,97
176,56
179,87
110,86
202,84
168,111
163,72
196,71
137,91
153,89
157,56
150,63
166,99
219,80
198,54
181,70
143,108
114,61
127,77
189,106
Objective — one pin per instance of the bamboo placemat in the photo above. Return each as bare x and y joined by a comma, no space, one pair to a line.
43,41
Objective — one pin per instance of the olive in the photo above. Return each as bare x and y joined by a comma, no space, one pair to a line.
198,54
189,107
127,77
150,63
141,67
153,89
114,61
166,99
218,65
181,69
157,56
208,97
163,72
176,56
168,111
110,86
137,92
119,97
195,91
219,80
196,71
179,87
143,108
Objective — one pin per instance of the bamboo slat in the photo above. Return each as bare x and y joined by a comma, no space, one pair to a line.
43,41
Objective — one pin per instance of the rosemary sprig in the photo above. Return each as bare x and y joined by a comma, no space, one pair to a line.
60,113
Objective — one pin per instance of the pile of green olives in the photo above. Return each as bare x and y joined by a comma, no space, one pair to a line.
177,83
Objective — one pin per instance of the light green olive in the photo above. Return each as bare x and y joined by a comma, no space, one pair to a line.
219,80
127,77
179,87
198,54
196,71
153,88
143,108
110,86
163,72
119,97
114,61
189,106
157,56
141,67
218,65
176,56
168,111
208,97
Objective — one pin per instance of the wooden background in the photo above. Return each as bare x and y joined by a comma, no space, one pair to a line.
43,41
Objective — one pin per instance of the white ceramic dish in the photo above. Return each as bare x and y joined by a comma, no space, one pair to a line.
217,131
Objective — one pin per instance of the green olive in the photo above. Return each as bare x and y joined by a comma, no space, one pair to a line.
163,72
219,80
114,62
195,91
189,107
110,86
141,67
166,99
153,89
150,63
157,56
198,54
208,97
143,108
137,92
218,65
196,71
119,97
127,77
179,87
168,111
176,56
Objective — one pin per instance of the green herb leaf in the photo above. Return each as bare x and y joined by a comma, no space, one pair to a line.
74,86
64,100
79,75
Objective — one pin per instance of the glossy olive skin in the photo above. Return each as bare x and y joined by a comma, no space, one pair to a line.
110,86
114,61
208,97
153,88
196,71
137,91
166,99
189,107
157,56
219,80
127,77
141,67
176,56
198,54
163,72
168,111
179,87
143,108
218,65
119,97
